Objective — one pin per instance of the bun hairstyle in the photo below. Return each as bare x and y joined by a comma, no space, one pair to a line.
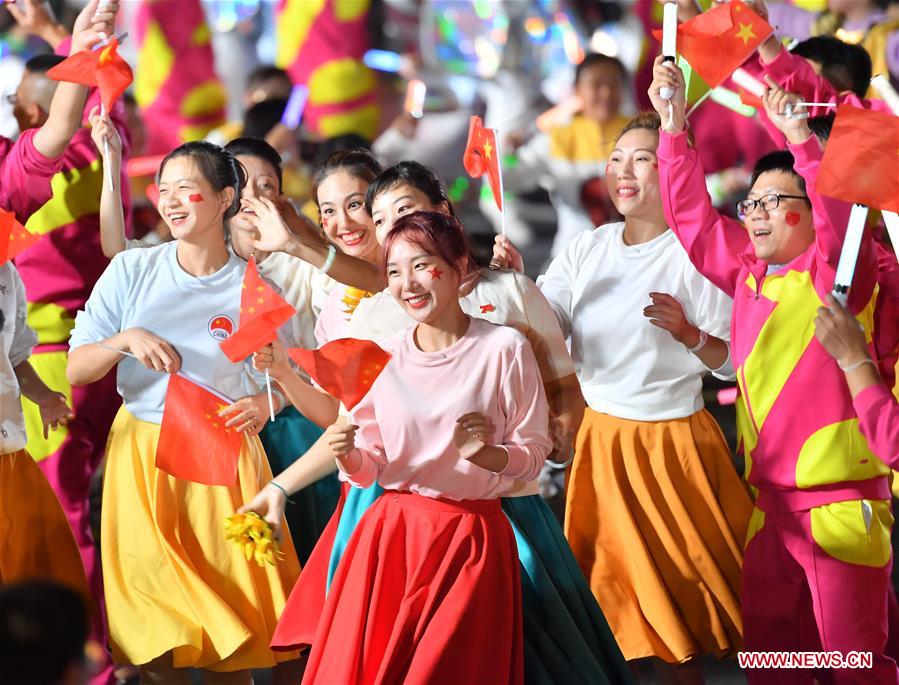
435,233
413,174
217,165
358,163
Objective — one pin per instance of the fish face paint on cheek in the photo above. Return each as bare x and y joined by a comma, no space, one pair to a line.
196,197
792,218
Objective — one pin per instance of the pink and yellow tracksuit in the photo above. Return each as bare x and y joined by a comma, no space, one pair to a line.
817,559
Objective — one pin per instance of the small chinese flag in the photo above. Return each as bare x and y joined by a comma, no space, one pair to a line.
262,313
718,41
861,159
14,237
345,368
194,443
103,69
482,157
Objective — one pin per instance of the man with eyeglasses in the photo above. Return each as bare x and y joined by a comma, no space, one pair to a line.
817,561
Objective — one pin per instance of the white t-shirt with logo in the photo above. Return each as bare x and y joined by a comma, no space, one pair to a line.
148,289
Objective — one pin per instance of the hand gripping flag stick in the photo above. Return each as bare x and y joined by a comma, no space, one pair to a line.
849,254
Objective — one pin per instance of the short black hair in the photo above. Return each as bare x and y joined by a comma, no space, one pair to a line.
254,147
845,66
593,59
264,73
263,117
41,64
779,160
43,630
821,125
413,174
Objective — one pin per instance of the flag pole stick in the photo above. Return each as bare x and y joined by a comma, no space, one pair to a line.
107,169
268,387
849,254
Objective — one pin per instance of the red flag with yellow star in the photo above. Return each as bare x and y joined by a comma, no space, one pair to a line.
103,69
262,313
717,42
194,443
14,237
482,157
861,159
345,368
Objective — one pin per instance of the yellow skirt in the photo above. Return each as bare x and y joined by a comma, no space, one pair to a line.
656,516
172,581
36,541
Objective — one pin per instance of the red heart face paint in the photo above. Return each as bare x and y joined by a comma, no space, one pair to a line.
196,197
792,218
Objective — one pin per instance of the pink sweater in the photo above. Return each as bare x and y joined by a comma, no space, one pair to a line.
795,416
406,421
25,175
878,415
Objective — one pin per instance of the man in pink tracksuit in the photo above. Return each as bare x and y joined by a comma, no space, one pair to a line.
817,560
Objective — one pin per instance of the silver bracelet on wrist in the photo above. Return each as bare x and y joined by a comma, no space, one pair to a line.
703,339
329,260
857,365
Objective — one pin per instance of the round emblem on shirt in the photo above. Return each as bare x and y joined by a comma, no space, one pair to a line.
221,326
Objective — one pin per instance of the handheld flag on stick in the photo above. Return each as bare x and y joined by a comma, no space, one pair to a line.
849,254
194,443
717,42
481,157
262,313
345,368
103,69
861,159
14,237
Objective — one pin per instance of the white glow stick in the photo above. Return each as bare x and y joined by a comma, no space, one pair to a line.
669,41
415,98
268,387
886,91
891,219
849,255
748,82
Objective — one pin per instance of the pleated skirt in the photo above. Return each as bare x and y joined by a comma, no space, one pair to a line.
36,541
656,516
426,592
172,581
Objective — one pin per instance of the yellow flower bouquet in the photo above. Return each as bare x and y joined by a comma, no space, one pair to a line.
254,536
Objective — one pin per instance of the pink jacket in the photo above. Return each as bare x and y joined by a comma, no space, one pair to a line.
796,419
878,414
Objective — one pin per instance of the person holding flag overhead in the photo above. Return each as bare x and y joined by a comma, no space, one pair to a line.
178,594
817,560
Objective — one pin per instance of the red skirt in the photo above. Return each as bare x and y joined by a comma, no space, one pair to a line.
428,591
301,614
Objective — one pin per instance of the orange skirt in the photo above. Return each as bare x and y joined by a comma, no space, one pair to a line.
656,516
35,538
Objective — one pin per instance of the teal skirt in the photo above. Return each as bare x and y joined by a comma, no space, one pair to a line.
308,510
566,637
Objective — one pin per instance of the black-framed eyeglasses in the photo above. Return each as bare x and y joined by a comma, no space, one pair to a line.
766,202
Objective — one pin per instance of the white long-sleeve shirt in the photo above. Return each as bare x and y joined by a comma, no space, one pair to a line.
627,367
16,342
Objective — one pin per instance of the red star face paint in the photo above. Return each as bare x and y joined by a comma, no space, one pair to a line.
655,165
792,218
435,273
196,197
